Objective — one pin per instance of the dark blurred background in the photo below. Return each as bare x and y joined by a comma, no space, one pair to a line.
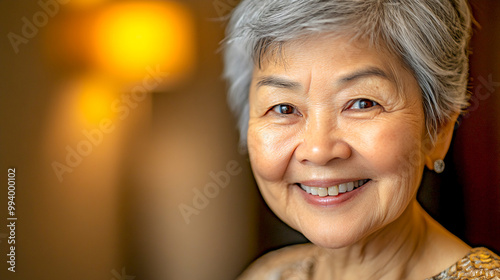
113,114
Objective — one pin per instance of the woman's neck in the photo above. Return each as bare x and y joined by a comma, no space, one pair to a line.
408,248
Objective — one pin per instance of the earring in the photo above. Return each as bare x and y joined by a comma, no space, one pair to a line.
439,166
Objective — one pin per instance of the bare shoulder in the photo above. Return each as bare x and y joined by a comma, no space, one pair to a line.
295,259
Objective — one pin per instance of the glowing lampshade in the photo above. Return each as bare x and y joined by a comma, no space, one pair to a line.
130,36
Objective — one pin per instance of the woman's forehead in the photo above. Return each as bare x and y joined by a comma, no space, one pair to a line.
338,58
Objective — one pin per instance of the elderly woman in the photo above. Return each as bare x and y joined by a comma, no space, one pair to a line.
342,104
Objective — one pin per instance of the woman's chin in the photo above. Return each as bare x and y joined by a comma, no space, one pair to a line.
329,238
331,242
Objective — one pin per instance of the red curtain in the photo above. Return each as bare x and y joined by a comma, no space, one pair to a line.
476,149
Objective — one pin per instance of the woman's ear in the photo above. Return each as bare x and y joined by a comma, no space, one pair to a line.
443,140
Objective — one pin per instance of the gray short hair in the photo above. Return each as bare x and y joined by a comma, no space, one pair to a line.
431,38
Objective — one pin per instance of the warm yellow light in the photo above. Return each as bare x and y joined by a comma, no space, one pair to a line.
96,97
131,36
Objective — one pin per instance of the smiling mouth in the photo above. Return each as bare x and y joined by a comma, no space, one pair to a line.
333,190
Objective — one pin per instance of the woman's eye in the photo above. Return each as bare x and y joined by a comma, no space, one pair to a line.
363,104
284,109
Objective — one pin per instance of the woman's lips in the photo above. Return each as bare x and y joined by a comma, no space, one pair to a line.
332,198
333,190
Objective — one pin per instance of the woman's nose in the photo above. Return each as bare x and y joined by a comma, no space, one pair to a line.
322,142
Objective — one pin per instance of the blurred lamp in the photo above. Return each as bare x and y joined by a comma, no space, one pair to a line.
128,37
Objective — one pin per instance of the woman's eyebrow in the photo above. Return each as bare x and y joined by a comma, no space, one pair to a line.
365,73
278,82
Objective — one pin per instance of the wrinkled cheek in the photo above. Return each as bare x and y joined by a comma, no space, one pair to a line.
410,166
410,161
402,163
397,150
270,153
403,166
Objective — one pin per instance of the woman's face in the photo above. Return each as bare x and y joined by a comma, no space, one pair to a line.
336,116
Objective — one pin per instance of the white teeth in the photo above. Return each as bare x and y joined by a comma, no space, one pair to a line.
322,192
333,190
350,186
342,188
314,191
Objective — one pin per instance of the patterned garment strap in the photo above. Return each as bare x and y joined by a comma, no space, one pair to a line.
479,264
